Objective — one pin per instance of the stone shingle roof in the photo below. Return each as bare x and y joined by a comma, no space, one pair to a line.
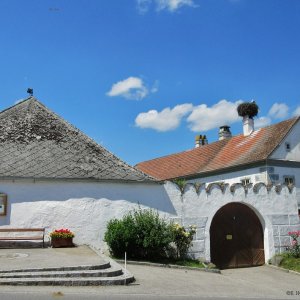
36,143
229,153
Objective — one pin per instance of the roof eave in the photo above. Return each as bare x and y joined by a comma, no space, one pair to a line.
35,179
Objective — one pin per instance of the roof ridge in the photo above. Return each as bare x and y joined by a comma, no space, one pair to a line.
89,139
217,141
220,155
56,143
18,103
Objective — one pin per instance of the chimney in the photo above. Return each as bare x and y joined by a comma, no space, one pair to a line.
248,110
224,132
248,125
200,140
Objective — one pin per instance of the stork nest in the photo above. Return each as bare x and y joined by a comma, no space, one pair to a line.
248,109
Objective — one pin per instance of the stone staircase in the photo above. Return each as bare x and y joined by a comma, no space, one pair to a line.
107,273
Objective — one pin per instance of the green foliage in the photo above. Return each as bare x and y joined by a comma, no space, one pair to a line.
141,233
289,262
182,239
144,235
190,263
181,183
247,109
153,234
120,235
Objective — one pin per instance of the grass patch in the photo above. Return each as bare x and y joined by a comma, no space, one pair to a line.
290,263
186,262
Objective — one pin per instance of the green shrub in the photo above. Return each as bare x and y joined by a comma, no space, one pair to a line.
141,233
289,262
120,235
182,239
153,234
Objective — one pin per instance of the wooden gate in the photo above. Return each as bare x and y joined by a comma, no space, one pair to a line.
236,237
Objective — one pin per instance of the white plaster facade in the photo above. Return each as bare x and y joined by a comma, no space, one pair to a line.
293,139
277,212
86,207
36,143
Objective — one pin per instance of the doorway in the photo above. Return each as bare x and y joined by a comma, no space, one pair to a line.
236,237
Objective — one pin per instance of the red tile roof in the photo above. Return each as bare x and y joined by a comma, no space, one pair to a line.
236,151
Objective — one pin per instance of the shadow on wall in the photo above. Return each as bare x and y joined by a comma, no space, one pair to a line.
151,195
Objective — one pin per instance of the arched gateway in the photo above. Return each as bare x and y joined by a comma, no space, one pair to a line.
236,237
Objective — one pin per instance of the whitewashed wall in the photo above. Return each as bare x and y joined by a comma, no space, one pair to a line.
293,138
253,174
277,211
83,207
86,207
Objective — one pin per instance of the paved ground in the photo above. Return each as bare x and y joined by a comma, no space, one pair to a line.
47,257
159,283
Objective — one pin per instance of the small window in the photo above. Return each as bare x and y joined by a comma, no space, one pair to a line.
274,178
287,147
245,181
3,204
288,180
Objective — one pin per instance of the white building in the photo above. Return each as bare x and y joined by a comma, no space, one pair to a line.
268,157
54,176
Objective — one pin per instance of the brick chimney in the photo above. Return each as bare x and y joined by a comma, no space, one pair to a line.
224,132
200,140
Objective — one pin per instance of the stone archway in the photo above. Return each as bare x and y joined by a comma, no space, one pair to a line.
236,237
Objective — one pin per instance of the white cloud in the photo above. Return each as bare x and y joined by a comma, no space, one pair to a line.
167,119
204,118
131,88
154,88
18,101
279,111
143,6
170,5
297,111
173,5
262,122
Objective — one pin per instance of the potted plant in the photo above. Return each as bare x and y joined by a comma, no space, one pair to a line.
62,238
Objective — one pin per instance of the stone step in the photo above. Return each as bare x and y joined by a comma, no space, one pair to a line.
103,266
73,281
110,272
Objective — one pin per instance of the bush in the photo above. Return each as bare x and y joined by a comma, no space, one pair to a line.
182,239
141,233
120,235
144,235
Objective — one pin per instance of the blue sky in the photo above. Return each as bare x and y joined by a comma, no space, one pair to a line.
142,78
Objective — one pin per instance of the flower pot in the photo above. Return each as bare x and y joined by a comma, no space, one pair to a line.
62,242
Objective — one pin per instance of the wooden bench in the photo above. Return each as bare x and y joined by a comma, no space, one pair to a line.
21,237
